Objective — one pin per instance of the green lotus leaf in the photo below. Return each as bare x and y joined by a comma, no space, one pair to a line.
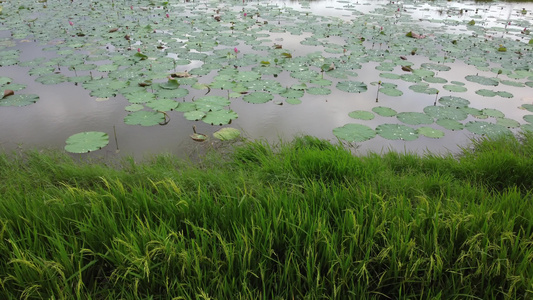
176,93
361,115
227,134
457,83
411,78
107,68
318,91
258,97
397,132
144,118
306,75
437,67
171,84
194,115
51,79
528,107
435,80
491,112
211,103
134,107
247,76
454,101
290,93
19,100
186,106
141,97
509,123
163,104
454,88
293,101
84,142
445,112
352,86
423,73
504,94
393,92
450,124
414,118
384,111
321,82
485,128
299,86
482,80
526,127
390,75
354,133
5,80
512,83
419,87
528,118
486,93
220,117
430,132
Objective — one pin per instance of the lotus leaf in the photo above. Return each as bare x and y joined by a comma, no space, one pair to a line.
450,124
430,132
390,75
293,101
258,97
227,133
220,117
397,132
144,118
454,88
432,79
352,86
505,94
171,84
194,115
84,142
528,118
19,100
384,111
393,92
454,101
485,128
414,118
509,123
528,107
354,133
211,103
445,112
186,106
411,78
321,82
318,91
51,79
361,115
482,80
134,107
490,112
162,104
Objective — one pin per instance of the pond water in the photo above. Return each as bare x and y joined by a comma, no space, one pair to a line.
283,69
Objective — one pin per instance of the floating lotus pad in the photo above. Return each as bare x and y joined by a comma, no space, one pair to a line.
393,92
430,132
258,97
490,112
354,133
414,118
450,124
145,118
220,117
194,115
19,100
445,112
352,86
227,133
485,128
509,123
397,132
84,142
384,111
361,115
454,101
528,107
482,80
454,88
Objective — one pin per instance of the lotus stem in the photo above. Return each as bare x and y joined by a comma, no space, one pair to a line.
115,132
436,96
377,94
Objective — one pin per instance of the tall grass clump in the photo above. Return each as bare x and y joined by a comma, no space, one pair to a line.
299,220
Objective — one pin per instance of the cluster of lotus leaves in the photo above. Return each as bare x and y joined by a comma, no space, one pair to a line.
197,59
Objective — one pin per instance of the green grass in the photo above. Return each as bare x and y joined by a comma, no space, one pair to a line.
299,220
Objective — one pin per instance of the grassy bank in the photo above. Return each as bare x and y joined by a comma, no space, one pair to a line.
301,220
